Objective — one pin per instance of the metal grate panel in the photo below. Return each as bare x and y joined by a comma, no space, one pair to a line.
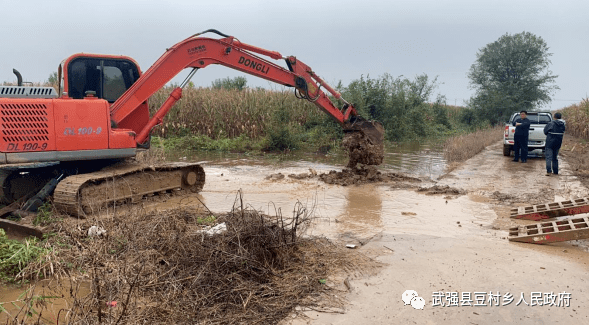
27,92
26,122
549,210
548,232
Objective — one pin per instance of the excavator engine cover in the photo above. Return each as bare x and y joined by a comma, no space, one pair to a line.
363,140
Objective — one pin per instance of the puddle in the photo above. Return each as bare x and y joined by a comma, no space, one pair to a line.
58,296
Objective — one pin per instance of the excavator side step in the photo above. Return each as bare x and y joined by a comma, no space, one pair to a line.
545,211
548,232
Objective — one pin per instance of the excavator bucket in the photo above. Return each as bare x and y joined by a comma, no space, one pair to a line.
363,140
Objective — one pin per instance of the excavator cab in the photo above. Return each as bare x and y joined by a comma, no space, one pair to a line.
105,78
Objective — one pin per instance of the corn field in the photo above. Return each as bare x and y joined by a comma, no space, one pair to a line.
576,117
221,113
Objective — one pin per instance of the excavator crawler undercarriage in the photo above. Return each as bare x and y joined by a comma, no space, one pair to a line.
70,141
86,193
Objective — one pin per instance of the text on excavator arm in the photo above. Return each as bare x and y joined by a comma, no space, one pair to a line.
199,52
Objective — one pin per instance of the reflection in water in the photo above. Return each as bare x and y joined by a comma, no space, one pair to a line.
362,212
424,159
421,158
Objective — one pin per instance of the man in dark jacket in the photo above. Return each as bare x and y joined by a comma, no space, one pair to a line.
554,131
521,137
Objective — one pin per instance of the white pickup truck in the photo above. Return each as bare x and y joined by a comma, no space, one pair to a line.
536,135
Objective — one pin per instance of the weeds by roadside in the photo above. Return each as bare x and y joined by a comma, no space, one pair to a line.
464,147
45,215
575,141
15,256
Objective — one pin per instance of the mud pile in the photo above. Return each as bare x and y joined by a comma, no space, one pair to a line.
361,174
530,198
363,149
441,190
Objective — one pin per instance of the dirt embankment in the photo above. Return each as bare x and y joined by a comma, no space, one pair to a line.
575,152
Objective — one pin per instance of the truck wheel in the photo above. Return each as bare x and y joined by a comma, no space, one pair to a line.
506,150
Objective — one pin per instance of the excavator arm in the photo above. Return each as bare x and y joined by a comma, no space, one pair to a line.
199,52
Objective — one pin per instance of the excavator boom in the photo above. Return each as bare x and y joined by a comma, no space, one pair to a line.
199,52
73,140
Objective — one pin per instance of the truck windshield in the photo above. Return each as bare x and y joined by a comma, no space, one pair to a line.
536,119
542,119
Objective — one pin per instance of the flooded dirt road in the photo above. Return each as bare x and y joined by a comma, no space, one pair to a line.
456,247
451,249
441,246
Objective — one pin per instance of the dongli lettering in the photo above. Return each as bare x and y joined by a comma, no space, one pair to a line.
254,65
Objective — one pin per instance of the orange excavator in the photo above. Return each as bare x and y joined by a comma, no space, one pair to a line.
74,143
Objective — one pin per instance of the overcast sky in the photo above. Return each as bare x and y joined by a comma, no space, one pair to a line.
340,40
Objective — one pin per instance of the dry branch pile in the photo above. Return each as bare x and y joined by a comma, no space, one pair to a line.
161,268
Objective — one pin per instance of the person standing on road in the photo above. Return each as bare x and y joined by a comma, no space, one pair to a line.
521,137
554,131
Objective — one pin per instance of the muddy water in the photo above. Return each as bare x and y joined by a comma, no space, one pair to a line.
430,243
445,243
57,296
433,244
420,158
361,211
337,210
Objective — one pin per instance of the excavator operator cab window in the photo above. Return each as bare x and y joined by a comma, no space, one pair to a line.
107,78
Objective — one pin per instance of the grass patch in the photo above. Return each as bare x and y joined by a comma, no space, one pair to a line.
463,147
45,215
15,256
206,220
205,143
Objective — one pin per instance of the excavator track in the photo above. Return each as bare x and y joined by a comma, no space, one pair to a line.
86,193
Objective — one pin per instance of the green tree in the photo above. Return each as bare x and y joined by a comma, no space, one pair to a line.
511,74
230,83
400,104
52,80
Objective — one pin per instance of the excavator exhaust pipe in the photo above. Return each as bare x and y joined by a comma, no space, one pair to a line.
19,77
363,139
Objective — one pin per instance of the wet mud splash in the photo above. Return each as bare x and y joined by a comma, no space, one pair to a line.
359,174
365,147
441,190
